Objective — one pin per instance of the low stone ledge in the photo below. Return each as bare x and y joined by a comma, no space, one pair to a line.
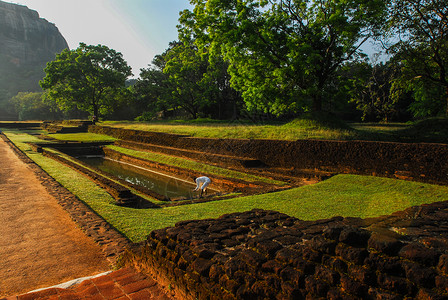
265,254
20,125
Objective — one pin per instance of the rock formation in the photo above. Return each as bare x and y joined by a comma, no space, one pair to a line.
27,43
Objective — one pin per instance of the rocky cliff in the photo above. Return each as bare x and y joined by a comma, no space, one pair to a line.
27,43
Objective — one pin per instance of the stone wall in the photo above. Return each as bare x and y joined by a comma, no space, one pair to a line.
414,161
268,255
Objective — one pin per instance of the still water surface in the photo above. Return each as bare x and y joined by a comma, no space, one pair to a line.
164,185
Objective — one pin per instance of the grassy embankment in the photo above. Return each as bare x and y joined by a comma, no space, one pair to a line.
344,195
433,130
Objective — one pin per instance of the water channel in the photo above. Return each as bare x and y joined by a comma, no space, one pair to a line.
165,185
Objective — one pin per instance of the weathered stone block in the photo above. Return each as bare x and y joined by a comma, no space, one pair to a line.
442,283
362,274
315,287
426,294
251,257
385,244
321,244
420,275
293,275
419,253
311,255
288,255
354,287
381,294
351,254
354,236
245,292
328,275
268,248
286,240
262,288
202,266
442,265
385,264
335,263
395,284
332,232
272,266
290,291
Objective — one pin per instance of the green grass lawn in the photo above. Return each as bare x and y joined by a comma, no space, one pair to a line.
434,130
82,137
242,130
342,195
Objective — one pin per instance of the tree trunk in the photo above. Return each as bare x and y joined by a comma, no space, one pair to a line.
446,95
95,112
317,102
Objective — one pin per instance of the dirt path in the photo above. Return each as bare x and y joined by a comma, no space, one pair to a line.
40,245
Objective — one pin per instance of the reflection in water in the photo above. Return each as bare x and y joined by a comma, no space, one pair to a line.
164,185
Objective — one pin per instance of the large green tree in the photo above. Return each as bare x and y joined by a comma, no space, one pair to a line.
283,53
182,77
185,70
419,30
88,78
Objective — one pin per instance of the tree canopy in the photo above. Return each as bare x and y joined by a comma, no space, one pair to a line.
283,53
182,77
419,31
88,78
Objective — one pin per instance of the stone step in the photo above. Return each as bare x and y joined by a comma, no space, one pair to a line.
55,128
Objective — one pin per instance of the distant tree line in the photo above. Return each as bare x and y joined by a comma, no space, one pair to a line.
275,58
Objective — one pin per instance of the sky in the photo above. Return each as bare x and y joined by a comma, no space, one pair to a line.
139,29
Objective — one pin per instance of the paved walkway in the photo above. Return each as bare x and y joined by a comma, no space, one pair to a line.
123,284
40,245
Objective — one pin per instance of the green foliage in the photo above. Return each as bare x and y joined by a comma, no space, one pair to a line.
428,98
89,78
422,50
184,79
30,106
282,54
369,87
321,120
185,69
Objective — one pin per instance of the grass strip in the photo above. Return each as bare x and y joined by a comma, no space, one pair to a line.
193,165
82,137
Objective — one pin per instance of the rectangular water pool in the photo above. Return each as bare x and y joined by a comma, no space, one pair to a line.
165,185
